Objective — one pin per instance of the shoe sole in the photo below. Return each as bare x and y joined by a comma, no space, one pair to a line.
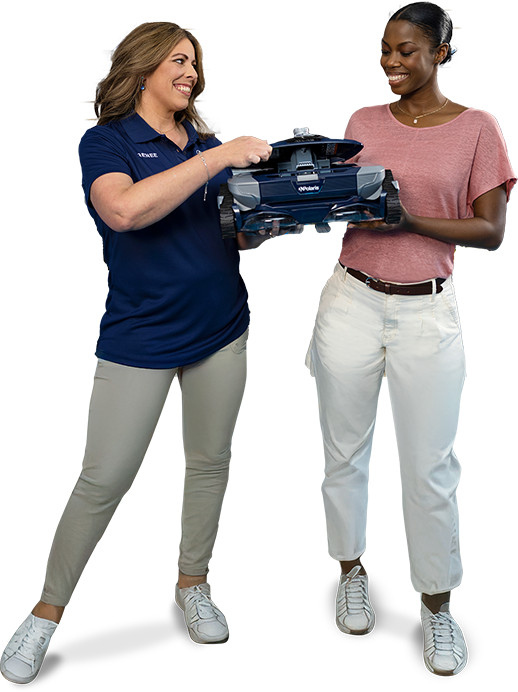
200,641
346,630
446,673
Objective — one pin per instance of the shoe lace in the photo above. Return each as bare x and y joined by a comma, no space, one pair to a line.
31,644
442,632
198,599
355,592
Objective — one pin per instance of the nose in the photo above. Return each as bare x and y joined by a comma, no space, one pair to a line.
191,72
392,60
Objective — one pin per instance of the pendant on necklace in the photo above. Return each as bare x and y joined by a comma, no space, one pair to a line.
415,121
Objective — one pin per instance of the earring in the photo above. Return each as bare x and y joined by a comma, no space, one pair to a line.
142,87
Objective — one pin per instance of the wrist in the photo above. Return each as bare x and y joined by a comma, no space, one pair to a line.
408,221
216,160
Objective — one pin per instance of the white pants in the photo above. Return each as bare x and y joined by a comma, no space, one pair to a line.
359,335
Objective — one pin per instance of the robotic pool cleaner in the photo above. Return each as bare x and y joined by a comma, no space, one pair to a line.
307,180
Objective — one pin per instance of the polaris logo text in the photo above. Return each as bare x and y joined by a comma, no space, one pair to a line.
308,188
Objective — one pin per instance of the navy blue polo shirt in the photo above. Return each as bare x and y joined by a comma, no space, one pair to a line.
175,294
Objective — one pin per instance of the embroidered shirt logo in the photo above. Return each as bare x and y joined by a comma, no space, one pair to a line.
147,155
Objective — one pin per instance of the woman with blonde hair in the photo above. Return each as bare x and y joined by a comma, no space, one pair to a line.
176,306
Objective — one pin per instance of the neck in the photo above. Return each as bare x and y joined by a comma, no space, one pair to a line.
423,100
159,121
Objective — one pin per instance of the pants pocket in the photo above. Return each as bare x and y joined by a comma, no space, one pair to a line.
451,304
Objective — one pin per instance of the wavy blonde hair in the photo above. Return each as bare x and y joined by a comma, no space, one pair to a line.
137,55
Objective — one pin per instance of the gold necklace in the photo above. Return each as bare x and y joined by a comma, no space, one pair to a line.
166,131
156,130
416,117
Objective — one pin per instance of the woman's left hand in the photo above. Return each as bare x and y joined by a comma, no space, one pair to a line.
247,242
276,229
383,227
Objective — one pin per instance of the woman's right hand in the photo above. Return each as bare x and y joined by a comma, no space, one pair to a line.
243,151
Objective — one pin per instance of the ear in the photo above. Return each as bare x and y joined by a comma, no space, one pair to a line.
441,53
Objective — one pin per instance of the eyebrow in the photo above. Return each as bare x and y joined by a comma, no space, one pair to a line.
404,43
182,55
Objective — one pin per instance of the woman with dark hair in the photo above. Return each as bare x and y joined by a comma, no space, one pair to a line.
176,306
389,308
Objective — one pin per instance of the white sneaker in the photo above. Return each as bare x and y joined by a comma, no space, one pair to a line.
445,651
354,613
205,623
23,656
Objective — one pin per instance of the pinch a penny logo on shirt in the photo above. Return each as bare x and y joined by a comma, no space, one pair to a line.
147,155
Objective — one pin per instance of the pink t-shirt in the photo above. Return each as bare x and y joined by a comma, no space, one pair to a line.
441,171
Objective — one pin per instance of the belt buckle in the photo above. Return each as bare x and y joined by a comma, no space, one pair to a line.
386,286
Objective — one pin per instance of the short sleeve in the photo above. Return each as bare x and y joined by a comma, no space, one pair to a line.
352,131
491,166
101,152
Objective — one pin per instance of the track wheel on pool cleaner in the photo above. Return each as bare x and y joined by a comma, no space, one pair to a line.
393,212
227,217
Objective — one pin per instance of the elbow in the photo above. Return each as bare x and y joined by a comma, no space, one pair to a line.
121,225
120,222
121,219
494,240
489,236
126,219
117,219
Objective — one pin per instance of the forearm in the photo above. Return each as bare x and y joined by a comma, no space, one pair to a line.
151,199
476,232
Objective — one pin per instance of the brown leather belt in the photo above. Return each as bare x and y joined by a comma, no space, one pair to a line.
399,289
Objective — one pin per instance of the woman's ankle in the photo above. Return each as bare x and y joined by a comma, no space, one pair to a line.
185,581
348,565
48,612
434,602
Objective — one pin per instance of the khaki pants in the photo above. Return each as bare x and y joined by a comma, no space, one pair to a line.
124,410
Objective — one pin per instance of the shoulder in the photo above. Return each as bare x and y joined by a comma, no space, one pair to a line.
370,114
472,117
98,131
367,120
99,134
102,139
480,127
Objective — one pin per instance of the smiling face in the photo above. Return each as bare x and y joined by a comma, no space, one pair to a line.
169,87
408,59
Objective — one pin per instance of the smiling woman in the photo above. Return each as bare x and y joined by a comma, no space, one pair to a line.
410,60
404,59
433,23
139,55
455,178
176,307
167,90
